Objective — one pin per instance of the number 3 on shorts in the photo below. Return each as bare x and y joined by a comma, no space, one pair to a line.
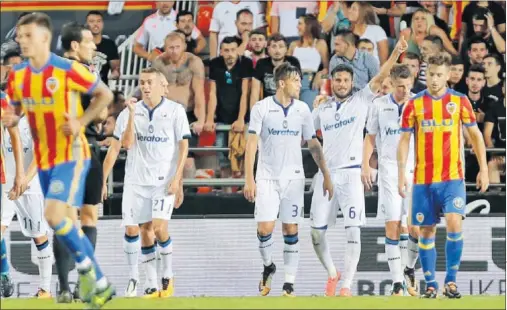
295,212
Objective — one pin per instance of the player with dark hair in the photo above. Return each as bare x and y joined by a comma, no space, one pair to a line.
47,88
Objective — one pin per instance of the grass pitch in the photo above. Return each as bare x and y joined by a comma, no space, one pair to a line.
363,302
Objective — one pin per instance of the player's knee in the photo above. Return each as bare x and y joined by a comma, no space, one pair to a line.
2,229
427,232
289,229
453,222
414,231
393,230
265,228
160,228
89,215
147,234
54,212
132,231
318,234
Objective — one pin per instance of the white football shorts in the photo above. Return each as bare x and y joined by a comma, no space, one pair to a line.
29,209
282,199
391,206
348,197
140,204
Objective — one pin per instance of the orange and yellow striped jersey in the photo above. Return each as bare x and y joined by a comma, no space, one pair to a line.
46,94
437,125
4,102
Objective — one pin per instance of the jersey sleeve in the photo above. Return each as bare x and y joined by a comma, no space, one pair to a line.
214,25
408,117
11,91
372,123
81,79
366,96
181,127
316,118
121,123
308,125
467,114
256,116
142,35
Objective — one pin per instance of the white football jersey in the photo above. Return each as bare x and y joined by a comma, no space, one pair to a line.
280,130
384,122
342,125
152,160
28,156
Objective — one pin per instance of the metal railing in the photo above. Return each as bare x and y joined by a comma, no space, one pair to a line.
131,64
239,181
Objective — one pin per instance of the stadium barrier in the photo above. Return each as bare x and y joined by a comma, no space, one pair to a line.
219,257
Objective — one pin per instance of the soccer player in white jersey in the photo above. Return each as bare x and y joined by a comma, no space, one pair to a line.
155,132
277,124
341,119
29,206
383,128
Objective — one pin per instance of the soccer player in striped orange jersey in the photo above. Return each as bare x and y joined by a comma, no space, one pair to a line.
437,116
48,88
7,287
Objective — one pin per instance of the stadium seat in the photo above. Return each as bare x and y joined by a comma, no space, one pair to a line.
204,14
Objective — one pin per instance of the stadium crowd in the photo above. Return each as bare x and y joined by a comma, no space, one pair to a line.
247,40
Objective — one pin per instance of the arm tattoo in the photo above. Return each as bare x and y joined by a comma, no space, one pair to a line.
317,154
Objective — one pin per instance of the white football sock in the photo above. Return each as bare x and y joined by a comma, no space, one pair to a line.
403,249
394,260
352,254
131,247
321,248
413,251
149,261
266,248
291,257
166,256
45,258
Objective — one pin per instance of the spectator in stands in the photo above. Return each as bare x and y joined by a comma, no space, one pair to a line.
285,17
475,82
257,45
431,7
264,71
457,8
363,23
413,61
195,40
457,70
364,65
477,50
484,26
386,12
223,22
313,55
430,45
493,68
154,30
494,136
230,76
106,56
365,45
12,58
244,24
336,20
422,26
482,8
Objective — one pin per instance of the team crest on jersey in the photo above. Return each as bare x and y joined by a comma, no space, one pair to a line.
52,84
419,217
151,129
458,203
451,107
337,116
285,124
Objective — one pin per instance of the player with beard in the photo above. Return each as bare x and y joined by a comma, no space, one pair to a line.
185,74
342,118
265,69
78,45
257,46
